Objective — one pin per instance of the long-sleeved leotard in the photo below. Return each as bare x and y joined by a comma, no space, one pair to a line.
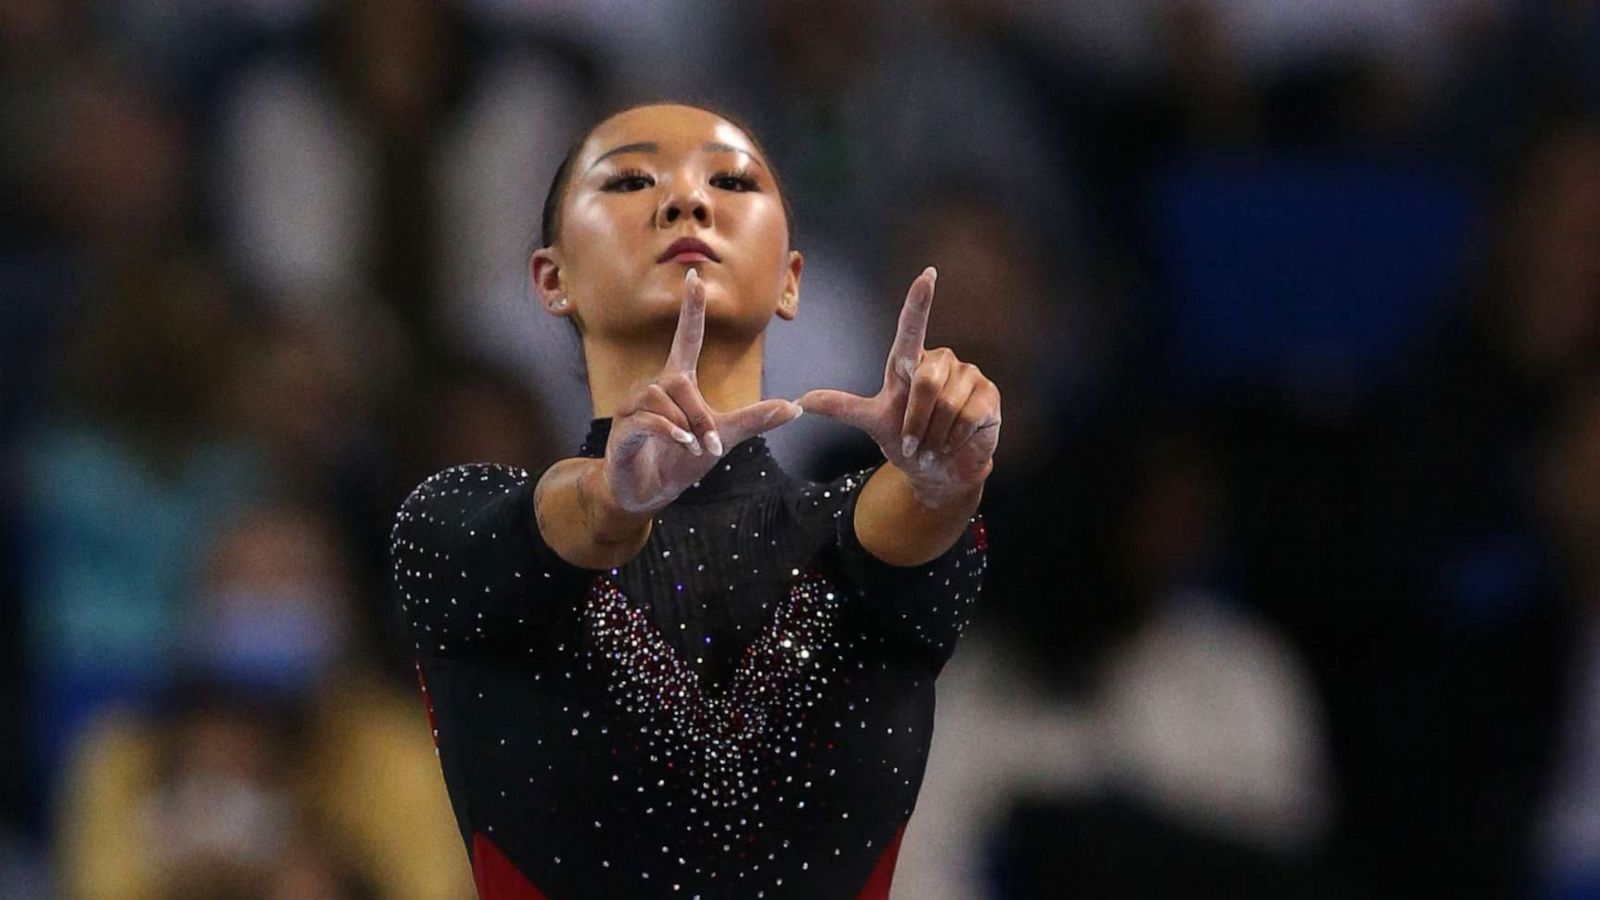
741,711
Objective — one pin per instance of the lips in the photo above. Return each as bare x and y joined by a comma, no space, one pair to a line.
690,249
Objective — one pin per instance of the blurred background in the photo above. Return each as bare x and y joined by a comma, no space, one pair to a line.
1294,583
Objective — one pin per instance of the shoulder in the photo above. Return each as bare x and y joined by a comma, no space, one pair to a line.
466,480
472,476
460,495
468,562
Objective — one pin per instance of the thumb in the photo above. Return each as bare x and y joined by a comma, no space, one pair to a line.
851,409
756,418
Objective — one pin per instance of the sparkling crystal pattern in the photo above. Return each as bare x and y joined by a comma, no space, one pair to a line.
743,710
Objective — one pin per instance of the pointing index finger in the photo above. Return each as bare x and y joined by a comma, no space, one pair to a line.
913,325
686,341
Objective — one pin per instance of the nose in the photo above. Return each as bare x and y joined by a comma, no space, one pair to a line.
678,203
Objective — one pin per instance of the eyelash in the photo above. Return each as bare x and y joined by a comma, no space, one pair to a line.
745,182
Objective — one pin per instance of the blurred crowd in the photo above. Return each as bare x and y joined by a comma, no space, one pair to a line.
1294,583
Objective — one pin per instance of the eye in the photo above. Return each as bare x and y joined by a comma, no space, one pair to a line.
734,181
627,180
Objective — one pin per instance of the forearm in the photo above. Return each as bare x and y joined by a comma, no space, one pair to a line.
894,526
577,517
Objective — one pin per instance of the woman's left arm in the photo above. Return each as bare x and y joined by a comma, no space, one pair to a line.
894,526
937,421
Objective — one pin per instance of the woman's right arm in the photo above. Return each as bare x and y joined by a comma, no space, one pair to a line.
484,550
580,518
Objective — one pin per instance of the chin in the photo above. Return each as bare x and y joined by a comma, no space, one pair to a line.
656,304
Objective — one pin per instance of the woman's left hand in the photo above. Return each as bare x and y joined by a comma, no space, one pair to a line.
936,418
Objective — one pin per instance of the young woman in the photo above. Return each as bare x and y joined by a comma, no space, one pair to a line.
665,667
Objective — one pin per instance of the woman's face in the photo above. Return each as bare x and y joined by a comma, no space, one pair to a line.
644,179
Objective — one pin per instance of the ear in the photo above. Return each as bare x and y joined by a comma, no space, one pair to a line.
789,293
549,284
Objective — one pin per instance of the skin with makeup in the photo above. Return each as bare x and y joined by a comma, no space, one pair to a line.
671,251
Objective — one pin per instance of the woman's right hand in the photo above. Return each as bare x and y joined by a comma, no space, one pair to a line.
664,437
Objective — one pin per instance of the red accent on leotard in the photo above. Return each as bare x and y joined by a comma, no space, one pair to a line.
496,877
877,887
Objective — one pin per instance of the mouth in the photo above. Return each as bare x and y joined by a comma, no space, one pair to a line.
688,250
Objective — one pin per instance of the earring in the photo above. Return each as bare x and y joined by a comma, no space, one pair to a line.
561,303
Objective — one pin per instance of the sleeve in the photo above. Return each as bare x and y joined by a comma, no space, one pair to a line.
926,606
469,564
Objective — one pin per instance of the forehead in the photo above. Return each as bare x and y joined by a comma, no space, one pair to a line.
677,129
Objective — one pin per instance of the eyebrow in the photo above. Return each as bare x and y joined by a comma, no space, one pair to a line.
653,147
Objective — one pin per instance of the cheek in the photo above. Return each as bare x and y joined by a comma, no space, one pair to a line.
586,223
768,221
761,232
600,245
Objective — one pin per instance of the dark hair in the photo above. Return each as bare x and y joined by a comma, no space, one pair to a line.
550,221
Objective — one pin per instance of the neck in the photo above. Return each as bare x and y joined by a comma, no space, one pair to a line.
728,373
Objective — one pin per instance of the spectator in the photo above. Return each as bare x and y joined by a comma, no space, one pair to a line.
279,742
1448,586
403,151
117,490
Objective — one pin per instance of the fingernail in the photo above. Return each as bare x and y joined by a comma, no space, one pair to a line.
926,459
908,445
714,443
798,410
687,439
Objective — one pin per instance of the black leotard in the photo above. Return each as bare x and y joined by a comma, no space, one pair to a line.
742,710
